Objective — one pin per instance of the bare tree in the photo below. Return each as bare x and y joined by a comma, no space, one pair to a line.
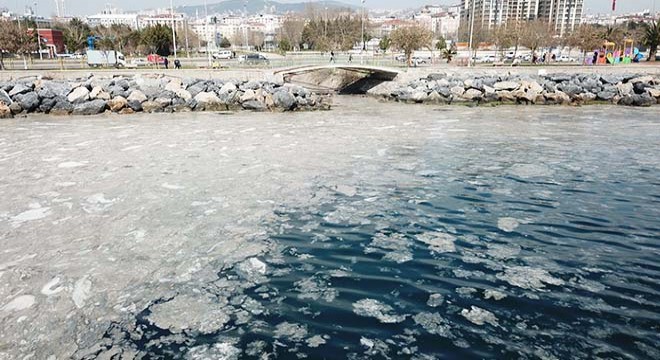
411,38
535,35
291,31
16,40
586,38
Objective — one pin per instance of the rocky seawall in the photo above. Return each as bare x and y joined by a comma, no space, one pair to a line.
151,94
566,89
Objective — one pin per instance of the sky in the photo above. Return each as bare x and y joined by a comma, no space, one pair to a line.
82,7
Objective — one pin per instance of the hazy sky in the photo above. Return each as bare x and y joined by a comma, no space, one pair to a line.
81,7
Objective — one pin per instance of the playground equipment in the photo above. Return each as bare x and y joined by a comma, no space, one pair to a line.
610,54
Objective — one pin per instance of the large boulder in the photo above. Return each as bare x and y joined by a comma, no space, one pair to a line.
625,89
284,100
117,103
152,106
5,98
472,95
122,83
254,105
5,111
209,101
19,88
90,108
135,105
249,95
506,85
46,105
52,89
227,87
196,88
78,95
28,101
643,100
654,92
611,79
137,95
183,94
62,107
99,93
116,90
174,85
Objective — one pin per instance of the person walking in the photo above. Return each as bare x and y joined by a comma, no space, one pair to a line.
166,62
332,57
177,64
350,58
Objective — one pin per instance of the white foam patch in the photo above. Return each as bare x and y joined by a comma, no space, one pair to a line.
480,316
20,303
508,224
528,277
172,187
439,242
31,215
70,165
48,289
530,170
376,309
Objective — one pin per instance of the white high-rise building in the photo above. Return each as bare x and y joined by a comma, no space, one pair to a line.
562,15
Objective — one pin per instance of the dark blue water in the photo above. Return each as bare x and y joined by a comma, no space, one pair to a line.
539,245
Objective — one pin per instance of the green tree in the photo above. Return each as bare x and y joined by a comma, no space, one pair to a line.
75,35
158,39
385,43
284,45
441,44
410,38
652,38
225,43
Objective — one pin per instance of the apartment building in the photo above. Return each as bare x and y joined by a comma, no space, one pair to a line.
562,15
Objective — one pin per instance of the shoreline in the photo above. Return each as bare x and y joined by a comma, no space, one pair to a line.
127,92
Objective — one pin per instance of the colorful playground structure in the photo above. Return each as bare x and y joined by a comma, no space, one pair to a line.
610,54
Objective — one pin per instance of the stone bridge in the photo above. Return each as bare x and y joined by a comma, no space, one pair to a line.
343,78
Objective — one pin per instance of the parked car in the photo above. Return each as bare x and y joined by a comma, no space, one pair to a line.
156,59
140,62
223,55
486,59
566,58
254,59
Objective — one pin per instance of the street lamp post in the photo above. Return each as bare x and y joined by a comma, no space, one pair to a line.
364,46
471,34
36,28
173,26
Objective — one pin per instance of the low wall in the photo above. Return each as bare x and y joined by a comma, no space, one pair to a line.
150,93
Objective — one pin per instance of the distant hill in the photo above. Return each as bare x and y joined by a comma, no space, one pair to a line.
258,6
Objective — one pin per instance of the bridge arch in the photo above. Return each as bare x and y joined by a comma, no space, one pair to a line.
342,78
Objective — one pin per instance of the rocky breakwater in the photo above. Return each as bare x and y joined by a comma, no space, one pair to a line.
127,95
568,89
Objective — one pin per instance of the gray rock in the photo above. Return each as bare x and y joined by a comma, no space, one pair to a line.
209,101
626,100
457,90
643,100
570,89
89,108
251,85
197,88
46,105
6,86
419,96
122,83
559,77
51,89
62,107
135,105
640,87
5,98
117,91
28,101
254,105
611,79
15,108
606,95
284,100
472,94
19,88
